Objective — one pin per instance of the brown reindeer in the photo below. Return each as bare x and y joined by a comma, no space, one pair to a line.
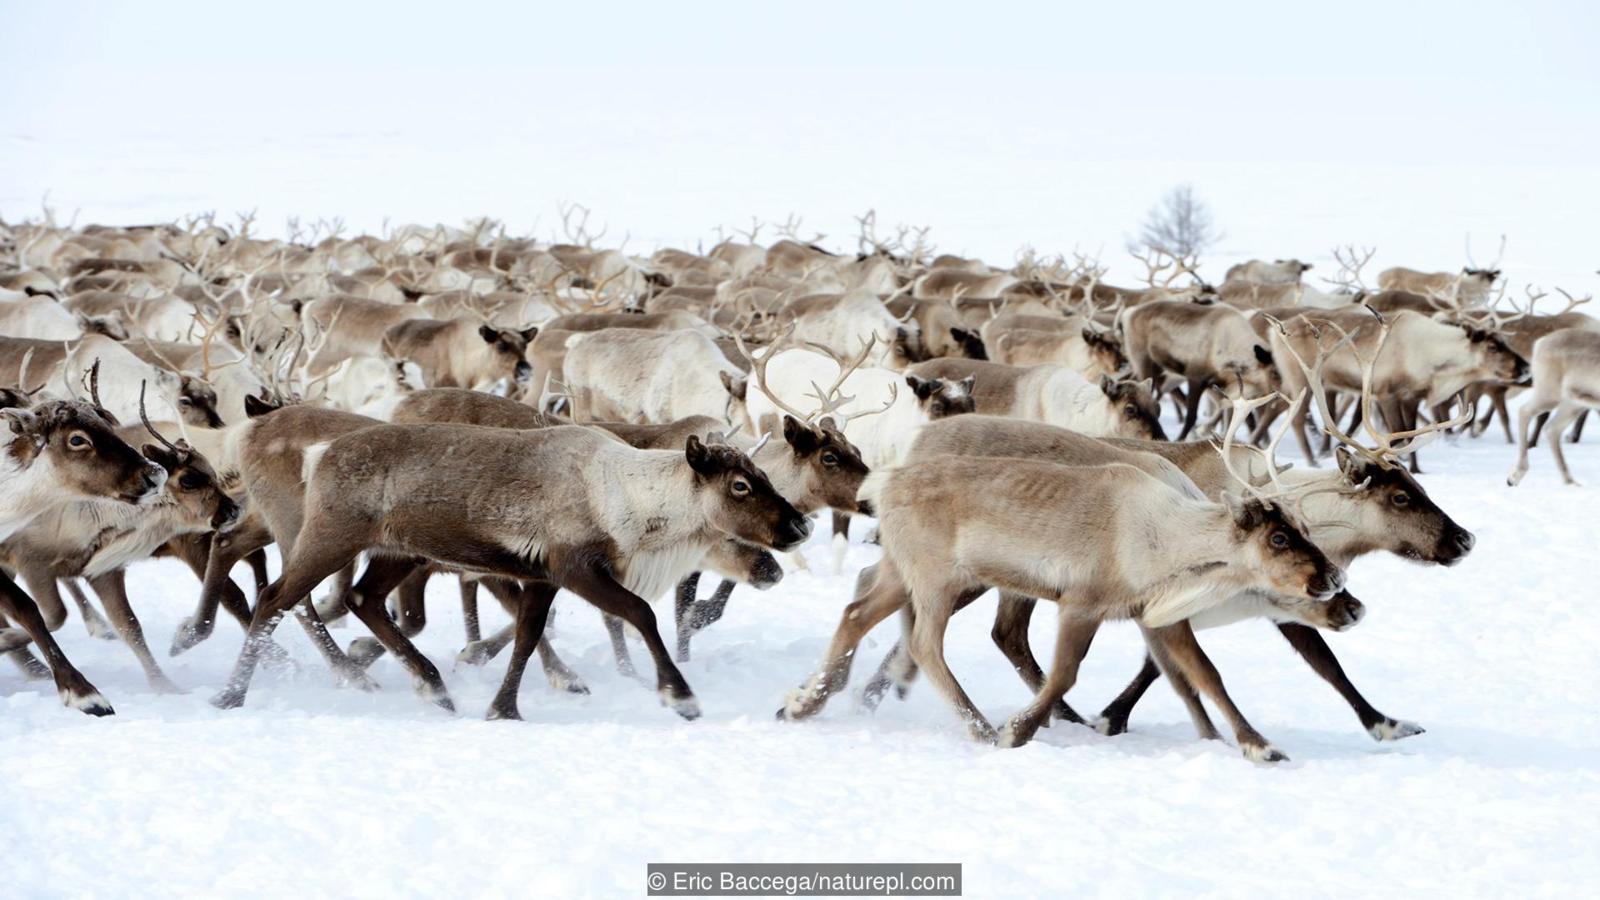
484,499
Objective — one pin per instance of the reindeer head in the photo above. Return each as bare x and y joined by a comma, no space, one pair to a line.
1494,357
1482,278
508,351
745,563
1105,350
110,325
968,343
736,413
1393,509
739,500
193,485
1135,410
80,444
832,465
197,402
941,398
1284,556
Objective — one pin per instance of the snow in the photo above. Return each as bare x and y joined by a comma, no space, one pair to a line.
1016,126
314,788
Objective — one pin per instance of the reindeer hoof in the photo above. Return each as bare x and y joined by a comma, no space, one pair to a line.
983,733
161,684
437,695
688,706
568,682
1109,726
1015,734
358,679
365,651
88,702
474,654
872,694
230,698
503,712
1345,613
98,628
1394,730
1264,754
187,636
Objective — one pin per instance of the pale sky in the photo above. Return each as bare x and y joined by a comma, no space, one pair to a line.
997,123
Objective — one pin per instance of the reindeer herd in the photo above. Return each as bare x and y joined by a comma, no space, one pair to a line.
534,416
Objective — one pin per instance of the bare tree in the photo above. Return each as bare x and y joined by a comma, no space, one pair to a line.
1180,226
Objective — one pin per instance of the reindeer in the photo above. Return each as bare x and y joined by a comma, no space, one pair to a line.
1566,379
1392,363
461,352
1370,503
1207,345
640,376
98,538
954,283
160,318
940,326
58,452
59,369
1020,339
815,467
839,320
43,318
1470,286
1279,271
1196,555
1055,395
381,488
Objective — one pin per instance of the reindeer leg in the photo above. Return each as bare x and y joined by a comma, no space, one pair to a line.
257,559
323,555
1181,686
112,589
469,609
1538,427
709,610
841,540
1114,718
383,574
590,581
532,614
683,602
1177,644
46,594
619,647
927,648
1577,429
1538,405
335,606
1196,391
93,622
879,592
223,552
1559,420
74,689
1073,636
1319,656
1010,634
1499,409
13,643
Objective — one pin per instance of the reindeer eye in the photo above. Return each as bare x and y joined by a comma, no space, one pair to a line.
1400,498
1279,540
190,481
78,442
829,459
1130,410
740,488
184,401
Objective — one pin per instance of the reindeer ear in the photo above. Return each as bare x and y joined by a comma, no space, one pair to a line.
1349,465
699,457
530,332
255,407
160,455
21,420
923,388
1263,355
489,334
800,436
735,385
1108,386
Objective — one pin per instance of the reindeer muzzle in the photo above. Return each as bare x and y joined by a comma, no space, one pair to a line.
792,533
523,373
1454,546
150,483
765,572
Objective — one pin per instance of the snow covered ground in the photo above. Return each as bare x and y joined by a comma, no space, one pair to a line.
335,792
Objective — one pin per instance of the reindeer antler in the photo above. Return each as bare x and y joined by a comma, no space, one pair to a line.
181,447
